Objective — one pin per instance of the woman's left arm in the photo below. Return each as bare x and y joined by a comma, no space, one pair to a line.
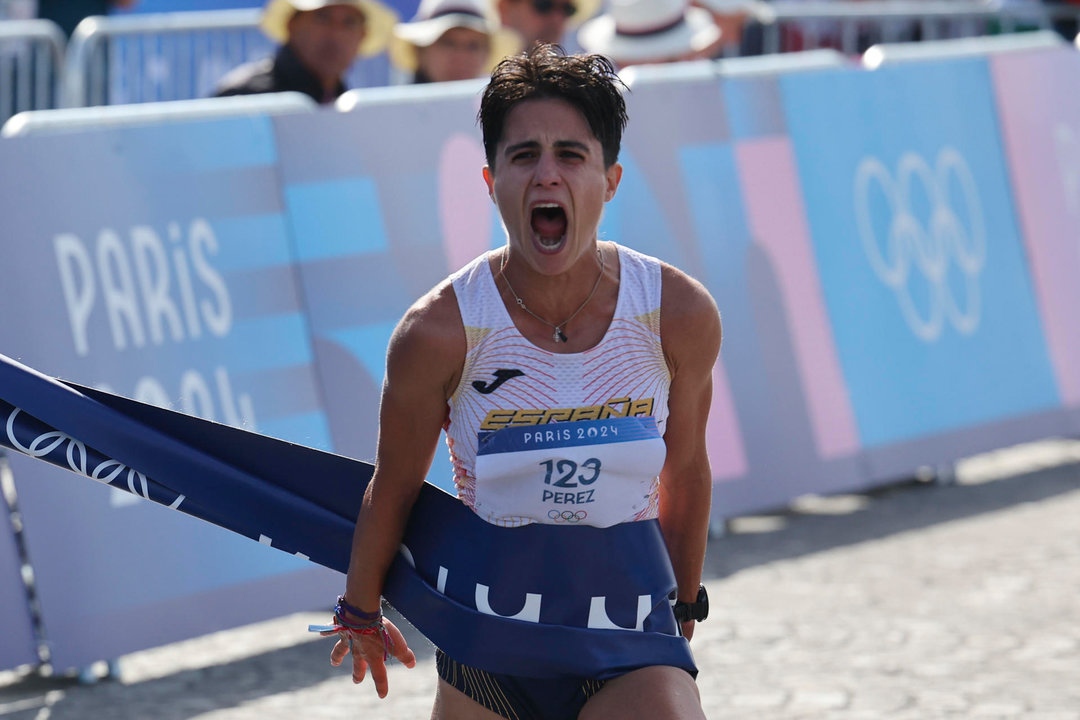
690,332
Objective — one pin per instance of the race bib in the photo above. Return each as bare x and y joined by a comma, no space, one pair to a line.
592,472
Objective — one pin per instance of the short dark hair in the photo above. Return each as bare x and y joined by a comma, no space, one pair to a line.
588,82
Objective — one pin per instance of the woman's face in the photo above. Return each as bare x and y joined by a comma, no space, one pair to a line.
459,54
550,184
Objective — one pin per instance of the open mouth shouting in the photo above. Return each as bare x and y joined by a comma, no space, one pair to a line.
548,221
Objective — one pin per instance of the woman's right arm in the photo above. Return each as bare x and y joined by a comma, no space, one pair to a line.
423,366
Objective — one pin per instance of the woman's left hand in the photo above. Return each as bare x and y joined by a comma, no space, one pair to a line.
371,650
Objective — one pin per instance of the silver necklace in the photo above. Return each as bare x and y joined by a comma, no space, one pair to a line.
559,335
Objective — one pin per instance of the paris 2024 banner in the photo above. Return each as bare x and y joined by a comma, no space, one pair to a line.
894,286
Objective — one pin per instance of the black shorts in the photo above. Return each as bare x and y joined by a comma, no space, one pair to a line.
519,698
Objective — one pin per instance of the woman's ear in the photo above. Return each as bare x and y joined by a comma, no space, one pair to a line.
489,178
614,177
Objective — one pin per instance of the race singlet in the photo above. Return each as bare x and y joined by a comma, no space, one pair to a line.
592,472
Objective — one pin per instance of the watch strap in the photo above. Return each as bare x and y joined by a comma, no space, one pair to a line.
697,610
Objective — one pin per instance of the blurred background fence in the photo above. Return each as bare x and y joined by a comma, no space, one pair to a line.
31,60
139,58
170,56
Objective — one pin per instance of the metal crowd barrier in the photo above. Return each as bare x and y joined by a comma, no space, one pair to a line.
148,58
852,25
31,53
170,56
180,56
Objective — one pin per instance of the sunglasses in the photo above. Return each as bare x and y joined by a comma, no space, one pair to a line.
546,7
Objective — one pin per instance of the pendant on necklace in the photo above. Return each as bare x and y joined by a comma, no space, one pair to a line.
559,335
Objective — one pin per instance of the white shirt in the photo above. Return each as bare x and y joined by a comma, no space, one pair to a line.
560,438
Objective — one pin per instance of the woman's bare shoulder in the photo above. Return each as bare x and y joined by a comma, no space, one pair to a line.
689,318
429,340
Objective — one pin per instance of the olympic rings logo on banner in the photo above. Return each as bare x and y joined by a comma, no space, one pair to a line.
1067,151
568,516
930,249
77,459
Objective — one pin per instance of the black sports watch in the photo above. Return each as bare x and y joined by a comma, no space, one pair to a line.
697,610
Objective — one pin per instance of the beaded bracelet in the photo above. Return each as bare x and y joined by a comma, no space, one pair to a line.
348,631
358,626
342,604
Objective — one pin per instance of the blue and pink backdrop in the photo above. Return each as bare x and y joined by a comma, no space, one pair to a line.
897,288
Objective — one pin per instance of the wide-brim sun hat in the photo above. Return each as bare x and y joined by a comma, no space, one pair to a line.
647,30
433,19
379,21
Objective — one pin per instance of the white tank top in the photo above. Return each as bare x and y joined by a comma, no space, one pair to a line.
560,438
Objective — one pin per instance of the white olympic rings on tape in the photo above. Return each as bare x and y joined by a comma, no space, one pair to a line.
77,459
930,248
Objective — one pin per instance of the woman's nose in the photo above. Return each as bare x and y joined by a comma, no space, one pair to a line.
547,170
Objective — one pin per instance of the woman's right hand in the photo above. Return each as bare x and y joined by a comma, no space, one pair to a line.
371,650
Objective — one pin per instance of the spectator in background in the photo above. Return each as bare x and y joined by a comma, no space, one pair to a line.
69,13
731,17
639,32
319,39
451,40
544,20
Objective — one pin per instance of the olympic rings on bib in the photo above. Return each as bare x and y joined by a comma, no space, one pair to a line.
568,516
